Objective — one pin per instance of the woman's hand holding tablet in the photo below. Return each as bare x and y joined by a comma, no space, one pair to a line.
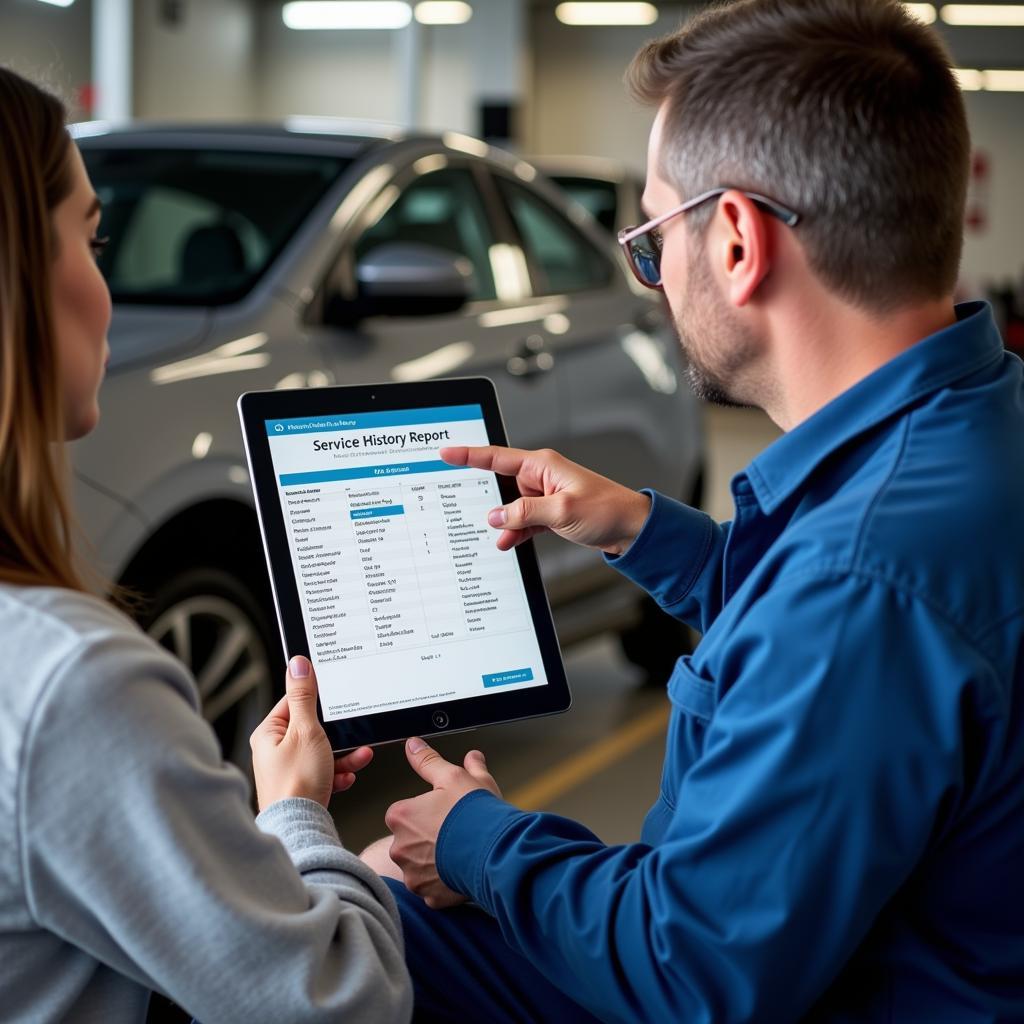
383,566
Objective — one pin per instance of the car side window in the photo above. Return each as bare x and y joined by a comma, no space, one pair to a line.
568,261
442,209
599,198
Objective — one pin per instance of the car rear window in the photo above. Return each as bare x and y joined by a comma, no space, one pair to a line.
200,227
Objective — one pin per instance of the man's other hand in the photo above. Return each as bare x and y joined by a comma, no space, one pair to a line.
416,823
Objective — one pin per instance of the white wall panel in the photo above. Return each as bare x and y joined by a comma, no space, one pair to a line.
202,68
336,74
578,101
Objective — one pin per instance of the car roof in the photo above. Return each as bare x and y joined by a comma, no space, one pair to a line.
595,167
345,136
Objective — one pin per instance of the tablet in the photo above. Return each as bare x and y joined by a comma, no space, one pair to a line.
384,570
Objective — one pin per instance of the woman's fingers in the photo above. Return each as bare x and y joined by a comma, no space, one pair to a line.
354,761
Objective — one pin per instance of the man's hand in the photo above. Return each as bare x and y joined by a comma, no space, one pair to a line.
417,822
291,755
560,496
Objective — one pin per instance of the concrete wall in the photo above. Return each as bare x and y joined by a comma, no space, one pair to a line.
358,74
50,45
578,103
203,67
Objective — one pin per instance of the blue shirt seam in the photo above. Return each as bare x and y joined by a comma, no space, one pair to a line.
879,576
444,831
474,796
1000,622
506,827
879,494
699,564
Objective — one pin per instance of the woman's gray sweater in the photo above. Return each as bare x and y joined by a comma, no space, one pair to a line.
129,858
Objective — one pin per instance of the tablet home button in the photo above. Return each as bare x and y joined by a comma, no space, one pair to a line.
440,719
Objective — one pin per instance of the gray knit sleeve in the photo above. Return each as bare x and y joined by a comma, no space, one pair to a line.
139,847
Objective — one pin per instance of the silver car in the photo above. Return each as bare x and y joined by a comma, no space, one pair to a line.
319,252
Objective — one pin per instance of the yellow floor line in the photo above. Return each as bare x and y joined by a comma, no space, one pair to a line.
541,792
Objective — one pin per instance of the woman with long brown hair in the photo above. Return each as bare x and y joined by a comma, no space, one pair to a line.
129,859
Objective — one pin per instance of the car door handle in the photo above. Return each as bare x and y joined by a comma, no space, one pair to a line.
531,358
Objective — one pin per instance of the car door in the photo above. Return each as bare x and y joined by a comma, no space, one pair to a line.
435,200
621,379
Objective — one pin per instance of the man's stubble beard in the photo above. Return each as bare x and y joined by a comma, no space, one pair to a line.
716,346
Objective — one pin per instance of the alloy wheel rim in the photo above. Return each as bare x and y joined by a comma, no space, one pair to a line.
218,642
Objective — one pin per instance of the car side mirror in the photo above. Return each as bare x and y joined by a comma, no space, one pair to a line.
405,279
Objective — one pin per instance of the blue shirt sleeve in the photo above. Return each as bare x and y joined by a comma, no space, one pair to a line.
677,559
835,753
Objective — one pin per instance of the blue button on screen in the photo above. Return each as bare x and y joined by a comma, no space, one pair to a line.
518,675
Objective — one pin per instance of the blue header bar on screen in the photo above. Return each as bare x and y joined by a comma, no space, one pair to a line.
326,476
367,420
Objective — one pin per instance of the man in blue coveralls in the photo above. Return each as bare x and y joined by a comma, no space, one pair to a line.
840,830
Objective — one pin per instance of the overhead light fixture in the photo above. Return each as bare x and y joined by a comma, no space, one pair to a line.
347,14
1004,81
443,12
992,80
59,3
969,79
606,12
998,15
924,13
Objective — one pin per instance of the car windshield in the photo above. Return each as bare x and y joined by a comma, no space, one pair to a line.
200,227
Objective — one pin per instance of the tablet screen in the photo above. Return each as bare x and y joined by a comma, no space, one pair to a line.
405,598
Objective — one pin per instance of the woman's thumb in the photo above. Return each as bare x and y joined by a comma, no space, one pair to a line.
300,687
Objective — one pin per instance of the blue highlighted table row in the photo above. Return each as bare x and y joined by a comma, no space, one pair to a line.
516,675
375,513
324,476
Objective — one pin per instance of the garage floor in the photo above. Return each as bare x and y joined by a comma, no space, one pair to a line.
600,762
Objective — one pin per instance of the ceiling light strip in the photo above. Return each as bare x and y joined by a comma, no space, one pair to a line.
606,13
1004,80
346,14
999,15
443,12
990,80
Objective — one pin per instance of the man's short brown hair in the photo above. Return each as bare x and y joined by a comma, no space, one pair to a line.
846,110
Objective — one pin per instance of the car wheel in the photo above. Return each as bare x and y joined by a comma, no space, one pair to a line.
207,619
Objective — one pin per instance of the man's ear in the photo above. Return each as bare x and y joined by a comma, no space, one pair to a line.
741,246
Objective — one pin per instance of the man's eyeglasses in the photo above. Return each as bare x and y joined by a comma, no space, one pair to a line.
642,244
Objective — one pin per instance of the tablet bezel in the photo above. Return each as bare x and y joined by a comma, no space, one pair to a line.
255,408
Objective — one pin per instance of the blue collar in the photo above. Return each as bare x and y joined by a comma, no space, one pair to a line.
957,351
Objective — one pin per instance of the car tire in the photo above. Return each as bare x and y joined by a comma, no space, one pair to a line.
208,619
